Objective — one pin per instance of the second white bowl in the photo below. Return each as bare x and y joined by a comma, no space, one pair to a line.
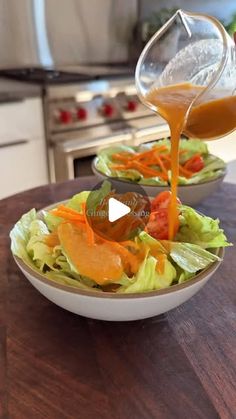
189,194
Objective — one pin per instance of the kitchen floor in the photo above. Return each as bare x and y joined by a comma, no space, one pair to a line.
226,149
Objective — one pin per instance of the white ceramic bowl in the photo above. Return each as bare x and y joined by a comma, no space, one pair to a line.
189,194
117,307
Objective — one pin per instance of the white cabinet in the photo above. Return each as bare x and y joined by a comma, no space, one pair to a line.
23,158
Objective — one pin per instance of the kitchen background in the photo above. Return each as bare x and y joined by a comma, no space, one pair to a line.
56,111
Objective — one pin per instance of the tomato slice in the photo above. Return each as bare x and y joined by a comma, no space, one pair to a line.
195,164
162,201
157,226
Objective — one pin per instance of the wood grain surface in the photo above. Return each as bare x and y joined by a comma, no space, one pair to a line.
54,364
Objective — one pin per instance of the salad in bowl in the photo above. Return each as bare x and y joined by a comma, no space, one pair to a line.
150,163
58,244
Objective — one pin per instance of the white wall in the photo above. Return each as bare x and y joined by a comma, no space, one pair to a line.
94,30
77,30
82,30
17,35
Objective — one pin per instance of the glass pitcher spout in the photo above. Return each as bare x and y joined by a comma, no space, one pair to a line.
192,50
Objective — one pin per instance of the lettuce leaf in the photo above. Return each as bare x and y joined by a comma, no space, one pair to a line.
52,222
77,200
200,229
201,177
104,161
191,147
75,203
20,235
214,167
64,279
182,275
151,241
36,247
212,163
147,278
191,257
27,241
97,196
185,257
148,146
129,174
156,181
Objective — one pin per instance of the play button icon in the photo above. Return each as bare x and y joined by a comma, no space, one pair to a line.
114,214
116,210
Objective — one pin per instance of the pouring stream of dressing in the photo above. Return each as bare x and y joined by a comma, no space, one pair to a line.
208,120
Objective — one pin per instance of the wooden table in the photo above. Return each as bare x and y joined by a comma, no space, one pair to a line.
54,364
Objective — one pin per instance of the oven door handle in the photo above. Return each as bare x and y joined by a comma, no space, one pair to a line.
76,146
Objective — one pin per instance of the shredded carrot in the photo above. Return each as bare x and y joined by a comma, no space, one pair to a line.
143,154
68,209
119,167
146,161
160,163
147,171
67,216
67,213
160,148
166,161
121,156
166,157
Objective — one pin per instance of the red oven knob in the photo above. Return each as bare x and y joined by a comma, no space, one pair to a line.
131,106
65,117
108,110
82,114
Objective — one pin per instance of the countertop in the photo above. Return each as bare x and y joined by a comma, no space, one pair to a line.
54,364
11,90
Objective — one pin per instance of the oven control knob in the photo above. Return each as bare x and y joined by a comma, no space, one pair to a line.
82,114
65,117
131,106
108,110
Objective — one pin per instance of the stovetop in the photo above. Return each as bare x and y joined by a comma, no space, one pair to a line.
66,75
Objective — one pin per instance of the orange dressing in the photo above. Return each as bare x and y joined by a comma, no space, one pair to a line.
212,119
172,103
88,259
208,120
52,239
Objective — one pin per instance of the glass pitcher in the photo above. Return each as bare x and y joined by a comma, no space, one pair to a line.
195,49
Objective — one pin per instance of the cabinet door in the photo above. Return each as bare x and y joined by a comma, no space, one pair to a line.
23,119
23,165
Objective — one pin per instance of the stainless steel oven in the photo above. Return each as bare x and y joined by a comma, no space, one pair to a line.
86,117
87,108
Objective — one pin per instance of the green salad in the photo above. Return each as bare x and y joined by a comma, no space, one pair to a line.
61,245
150,164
